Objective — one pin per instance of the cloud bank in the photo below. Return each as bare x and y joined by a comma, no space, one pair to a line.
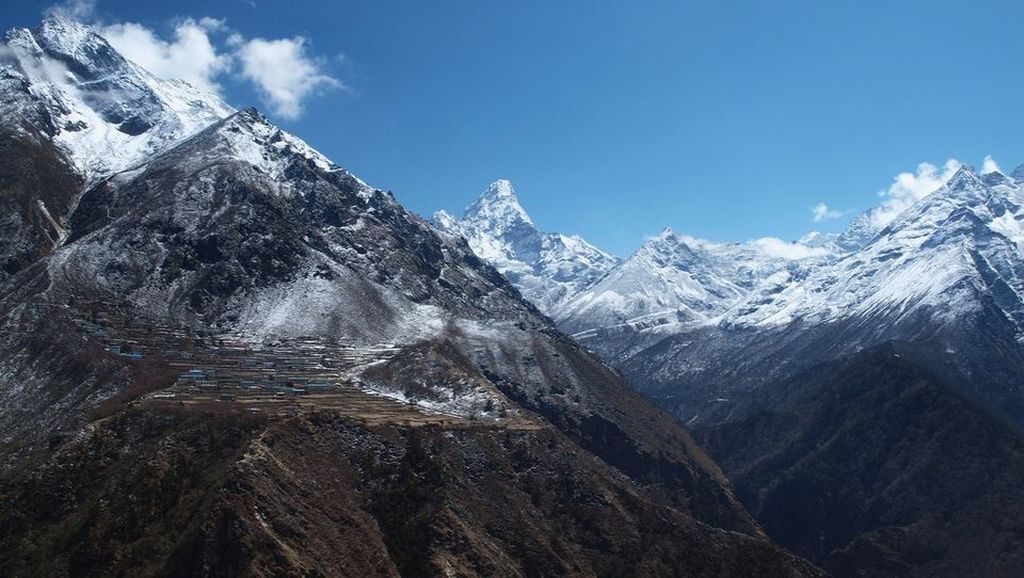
989,165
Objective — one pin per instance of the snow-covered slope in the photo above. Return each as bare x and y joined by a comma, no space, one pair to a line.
943,256
680,280
549,269
958,245
671,281
105,112
943,283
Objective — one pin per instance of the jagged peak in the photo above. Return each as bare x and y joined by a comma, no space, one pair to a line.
56,22
70,39
994,178
250,117
667,242
498,203
666,235
247,135
965,175
964,187
501,189
21,37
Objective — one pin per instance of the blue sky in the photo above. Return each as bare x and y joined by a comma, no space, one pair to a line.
724,120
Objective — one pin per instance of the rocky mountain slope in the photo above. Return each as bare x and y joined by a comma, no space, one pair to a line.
549,269
866,398
869,461
241,359
871,466
39,187
74,110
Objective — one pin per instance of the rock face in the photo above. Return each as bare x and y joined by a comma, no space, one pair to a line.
39,187
241,359
549,269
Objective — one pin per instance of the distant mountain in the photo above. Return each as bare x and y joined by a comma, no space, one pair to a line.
671,281
944,257
238,358
675,280
865,390
851,403
944,276
549,269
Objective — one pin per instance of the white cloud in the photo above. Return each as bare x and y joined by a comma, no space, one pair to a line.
191,56
82,10
284,72
775,247
823,212
908,188
989,165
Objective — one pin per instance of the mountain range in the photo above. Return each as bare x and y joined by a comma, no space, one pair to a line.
223,354
549,269
768,352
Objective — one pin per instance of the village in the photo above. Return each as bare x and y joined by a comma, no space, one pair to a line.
282,377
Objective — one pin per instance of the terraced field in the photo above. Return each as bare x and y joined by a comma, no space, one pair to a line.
225,373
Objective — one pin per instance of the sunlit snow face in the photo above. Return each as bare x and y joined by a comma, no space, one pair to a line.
108,113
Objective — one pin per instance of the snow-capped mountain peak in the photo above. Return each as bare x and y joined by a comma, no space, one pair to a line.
498,206
995,178
499,189
548,268
105,112
937,258
675,279
77,45
247,135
